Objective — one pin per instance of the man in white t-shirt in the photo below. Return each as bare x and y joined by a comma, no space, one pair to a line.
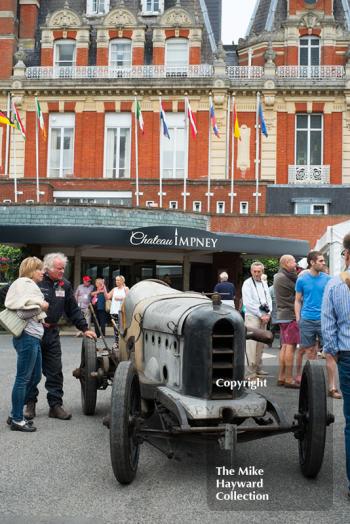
258,306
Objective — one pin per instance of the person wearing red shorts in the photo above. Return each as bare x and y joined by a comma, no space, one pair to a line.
284,288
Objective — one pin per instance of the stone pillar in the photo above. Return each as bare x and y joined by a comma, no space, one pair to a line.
77,267
186,273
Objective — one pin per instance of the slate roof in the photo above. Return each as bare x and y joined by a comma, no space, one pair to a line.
261,15
193,6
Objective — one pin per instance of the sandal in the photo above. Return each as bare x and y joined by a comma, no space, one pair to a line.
292,385
334,393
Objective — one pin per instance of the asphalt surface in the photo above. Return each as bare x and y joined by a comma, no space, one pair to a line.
62,473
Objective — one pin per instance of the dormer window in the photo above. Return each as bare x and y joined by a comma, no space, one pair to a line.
97,7
152,7
64,54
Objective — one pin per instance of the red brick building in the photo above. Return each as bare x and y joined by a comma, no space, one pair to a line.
88,61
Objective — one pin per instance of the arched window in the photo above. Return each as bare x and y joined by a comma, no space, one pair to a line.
176,53
120,53
64,53
309,51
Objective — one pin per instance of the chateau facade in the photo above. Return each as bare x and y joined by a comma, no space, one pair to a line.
90,63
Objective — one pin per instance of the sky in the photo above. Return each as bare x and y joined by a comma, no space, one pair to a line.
235,19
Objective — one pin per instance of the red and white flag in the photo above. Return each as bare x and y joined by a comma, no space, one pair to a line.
192,119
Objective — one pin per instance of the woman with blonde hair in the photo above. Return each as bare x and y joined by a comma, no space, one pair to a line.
117,295
25,297
98,300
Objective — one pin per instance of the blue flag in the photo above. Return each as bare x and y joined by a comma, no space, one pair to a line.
262,121
164,122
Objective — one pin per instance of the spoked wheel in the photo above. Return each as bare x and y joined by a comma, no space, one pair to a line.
87,382
312,418
125,408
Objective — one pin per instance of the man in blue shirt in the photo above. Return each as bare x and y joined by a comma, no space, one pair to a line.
336,336
226,289
309,289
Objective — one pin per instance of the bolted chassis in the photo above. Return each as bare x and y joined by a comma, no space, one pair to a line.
169,422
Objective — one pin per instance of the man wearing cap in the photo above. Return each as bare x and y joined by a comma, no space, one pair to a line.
83,297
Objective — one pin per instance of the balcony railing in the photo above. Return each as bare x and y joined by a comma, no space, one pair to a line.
308,174
317,72
111,72
241,72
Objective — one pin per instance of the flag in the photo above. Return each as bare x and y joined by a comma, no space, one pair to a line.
4,120
40,118
213,118
163,121
262,120
139,116
236,129
17,121
192,120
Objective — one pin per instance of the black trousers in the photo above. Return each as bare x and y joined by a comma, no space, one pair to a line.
52,369
102,318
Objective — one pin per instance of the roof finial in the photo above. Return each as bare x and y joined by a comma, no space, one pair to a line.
66,4
178,3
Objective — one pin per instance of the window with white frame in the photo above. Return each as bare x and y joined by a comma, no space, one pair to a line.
176,54
309,51
308,208
152,7
173,151
197,206
173,204
61,144
120,53
309,133
117,145
243,208
64,53
108,198
220,207
97,7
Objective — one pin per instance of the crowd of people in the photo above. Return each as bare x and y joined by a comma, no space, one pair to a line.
311,309
41,296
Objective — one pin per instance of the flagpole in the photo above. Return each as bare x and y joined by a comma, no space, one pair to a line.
15,167
37,157
257,153
209,168
228,138
187,134
232,156
136,156
8,136
161,160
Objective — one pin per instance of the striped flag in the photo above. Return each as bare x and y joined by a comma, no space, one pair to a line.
6,121
236,129
40,118
262,121
213,118
139,116
17,121
163,121
192,119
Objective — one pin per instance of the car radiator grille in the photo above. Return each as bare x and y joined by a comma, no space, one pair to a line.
222,358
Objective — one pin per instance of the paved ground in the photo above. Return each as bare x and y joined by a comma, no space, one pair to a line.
62,473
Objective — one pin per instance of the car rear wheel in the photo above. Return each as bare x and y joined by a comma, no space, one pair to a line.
312,418
125,408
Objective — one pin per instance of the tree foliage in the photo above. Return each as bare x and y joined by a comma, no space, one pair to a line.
10,259
271,267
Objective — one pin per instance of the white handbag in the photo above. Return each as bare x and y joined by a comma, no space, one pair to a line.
10,321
